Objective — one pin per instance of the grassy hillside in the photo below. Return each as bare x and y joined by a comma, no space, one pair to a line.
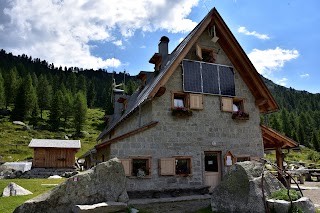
14,139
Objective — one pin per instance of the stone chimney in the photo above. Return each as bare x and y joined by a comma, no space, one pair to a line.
163,47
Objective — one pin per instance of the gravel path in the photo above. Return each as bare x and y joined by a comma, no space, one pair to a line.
312,191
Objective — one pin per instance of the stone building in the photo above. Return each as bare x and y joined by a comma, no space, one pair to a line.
193,117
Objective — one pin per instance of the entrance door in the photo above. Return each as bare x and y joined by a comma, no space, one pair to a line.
212,174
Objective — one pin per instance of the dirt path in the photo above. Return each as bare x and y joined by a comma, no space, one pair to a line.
312,191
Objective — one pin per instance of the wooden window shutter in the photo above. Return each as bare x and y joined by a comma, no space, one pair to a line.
196,101
127,166
226,104
198,51
167,166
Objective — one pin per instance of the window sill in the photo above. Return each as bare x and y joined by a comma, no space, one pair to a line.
180,112
239,115
135,177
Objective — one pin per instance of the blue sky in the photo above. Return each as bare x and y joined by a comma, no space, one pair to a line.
282,38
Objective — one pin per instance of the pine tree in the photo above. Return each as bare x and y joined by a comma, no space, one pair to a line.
56,110
25,101
285,124
80,112
11,85
2,94
44,91
315,141
67,103
91,94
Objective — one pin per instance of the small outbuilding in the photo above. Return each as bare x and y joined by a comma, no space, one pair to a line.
53,153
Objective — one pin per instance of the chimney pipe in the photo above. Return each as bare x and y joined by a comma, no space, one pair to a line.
163,47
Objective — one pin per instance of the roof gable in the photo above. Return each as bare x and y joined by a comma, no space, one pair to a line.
234,52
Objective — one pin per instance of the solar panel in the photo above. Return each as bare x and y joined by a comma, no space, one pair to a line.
200,77
210,78
192,76
226,76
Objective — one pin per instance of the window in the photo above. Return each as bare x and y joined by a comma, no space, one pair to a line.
232,104
183,166
137,166
206,55
179,100
175,166
243,158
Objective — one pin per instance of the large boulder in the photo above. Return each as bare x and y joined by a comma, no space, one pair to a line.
104,182
241,191
14,189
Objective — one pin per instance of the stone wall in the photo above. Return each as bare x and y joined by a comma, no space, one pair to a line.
208,129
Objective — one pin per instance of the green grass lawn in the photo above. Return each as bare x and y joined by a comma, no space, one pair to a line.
8,204
14,139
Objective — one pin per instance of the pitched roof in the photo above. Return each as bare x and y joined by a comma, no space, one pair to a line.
230,46
273,139
54,143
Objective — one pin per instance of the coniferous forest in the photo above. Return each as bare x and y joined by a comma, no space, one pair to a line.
28,87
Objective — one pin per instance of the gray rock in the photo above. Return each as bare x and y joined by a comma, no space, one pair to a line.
27,127
18,123
100,207
241,191
14,189
303,203
103,183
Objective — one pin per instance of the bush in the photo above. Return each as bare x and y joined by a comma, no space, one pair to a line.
282,194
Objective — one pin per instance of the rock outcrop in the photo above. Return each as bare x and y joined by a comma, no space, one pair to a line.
304,203
241,189
14,189
104,182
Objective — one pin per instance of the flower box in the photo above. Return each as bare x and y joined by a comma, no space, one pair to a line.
181,111
240,115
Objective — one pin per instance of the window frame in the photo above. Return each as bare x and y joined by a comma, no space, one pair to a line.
173,170
243,158
228,102
129,168
200,50
178,94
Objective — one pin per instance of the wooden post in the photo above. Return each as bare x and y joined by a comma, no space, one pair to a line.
279,158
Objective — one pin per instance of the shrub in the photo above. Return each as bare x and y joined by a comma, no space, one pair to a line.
282,194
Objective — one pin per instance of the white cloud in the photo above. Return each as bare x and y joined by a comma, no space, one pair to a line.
143,46
119,44
60,31
282,81
270,60
253,33
304,75
180,40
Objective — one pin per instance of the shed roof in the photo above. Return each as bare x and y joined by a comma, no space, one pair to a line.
54,143
273,139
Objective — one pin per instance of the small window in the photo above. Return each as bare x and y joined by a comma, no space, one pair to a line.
175,166
140,167
183,166
137,167
232,104
243,158
179,100
206,55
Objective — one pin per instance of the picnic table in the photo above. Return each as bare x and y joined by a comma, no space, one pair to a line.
307,173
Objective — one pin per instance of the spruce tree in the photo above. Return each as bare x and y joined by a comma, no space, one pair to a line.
11,85
44,91
2,93
80,111
56,110
315,141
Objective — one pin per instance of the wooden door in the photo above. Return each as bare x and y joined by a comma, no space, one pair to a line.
212,170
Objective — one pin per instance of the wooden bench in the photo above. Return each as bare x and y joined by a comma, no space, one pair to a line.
316,174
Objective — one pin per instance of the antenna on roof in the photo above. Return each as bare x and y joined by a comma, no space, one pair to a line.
206,6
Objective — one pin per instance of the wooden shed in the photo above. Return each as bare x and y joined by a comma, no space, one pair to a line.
52,153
